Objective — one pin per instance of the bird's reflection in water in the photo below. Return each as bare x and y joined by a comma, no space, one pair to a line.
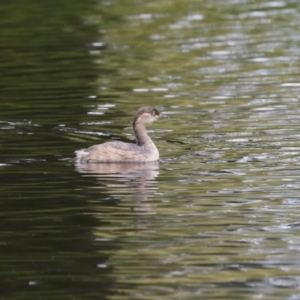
121,179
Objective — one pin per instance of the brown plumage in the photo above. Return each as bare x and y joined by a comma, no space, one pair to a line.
143,151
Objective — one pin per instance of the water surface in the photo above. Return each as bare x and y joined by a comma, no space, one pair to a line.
217,217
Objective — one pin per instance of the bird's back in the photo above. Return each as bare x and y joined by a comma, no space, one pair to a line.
117,152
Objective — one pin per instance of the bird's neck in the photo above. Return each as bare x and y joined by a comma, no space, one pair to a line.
140,132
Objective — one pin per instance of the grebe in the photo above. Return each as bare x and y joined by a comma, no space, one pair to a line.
115,152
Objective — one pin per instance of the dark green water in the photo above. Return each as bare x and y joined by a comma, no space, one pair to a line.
217,217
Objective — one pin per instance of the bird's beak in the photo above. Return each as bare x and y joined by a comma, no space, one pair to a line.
162,117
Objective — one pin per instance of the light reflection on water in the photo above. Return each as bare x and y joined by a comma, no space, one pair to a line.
227,198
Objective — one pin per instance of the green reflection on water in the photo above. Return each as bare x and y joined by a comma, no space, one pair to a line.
45,74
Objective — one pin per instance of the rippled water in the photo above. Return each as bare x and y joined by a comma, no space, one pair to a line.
217,217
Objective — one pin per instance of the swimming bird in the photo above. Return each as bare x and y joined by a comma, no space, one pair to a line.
116,152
